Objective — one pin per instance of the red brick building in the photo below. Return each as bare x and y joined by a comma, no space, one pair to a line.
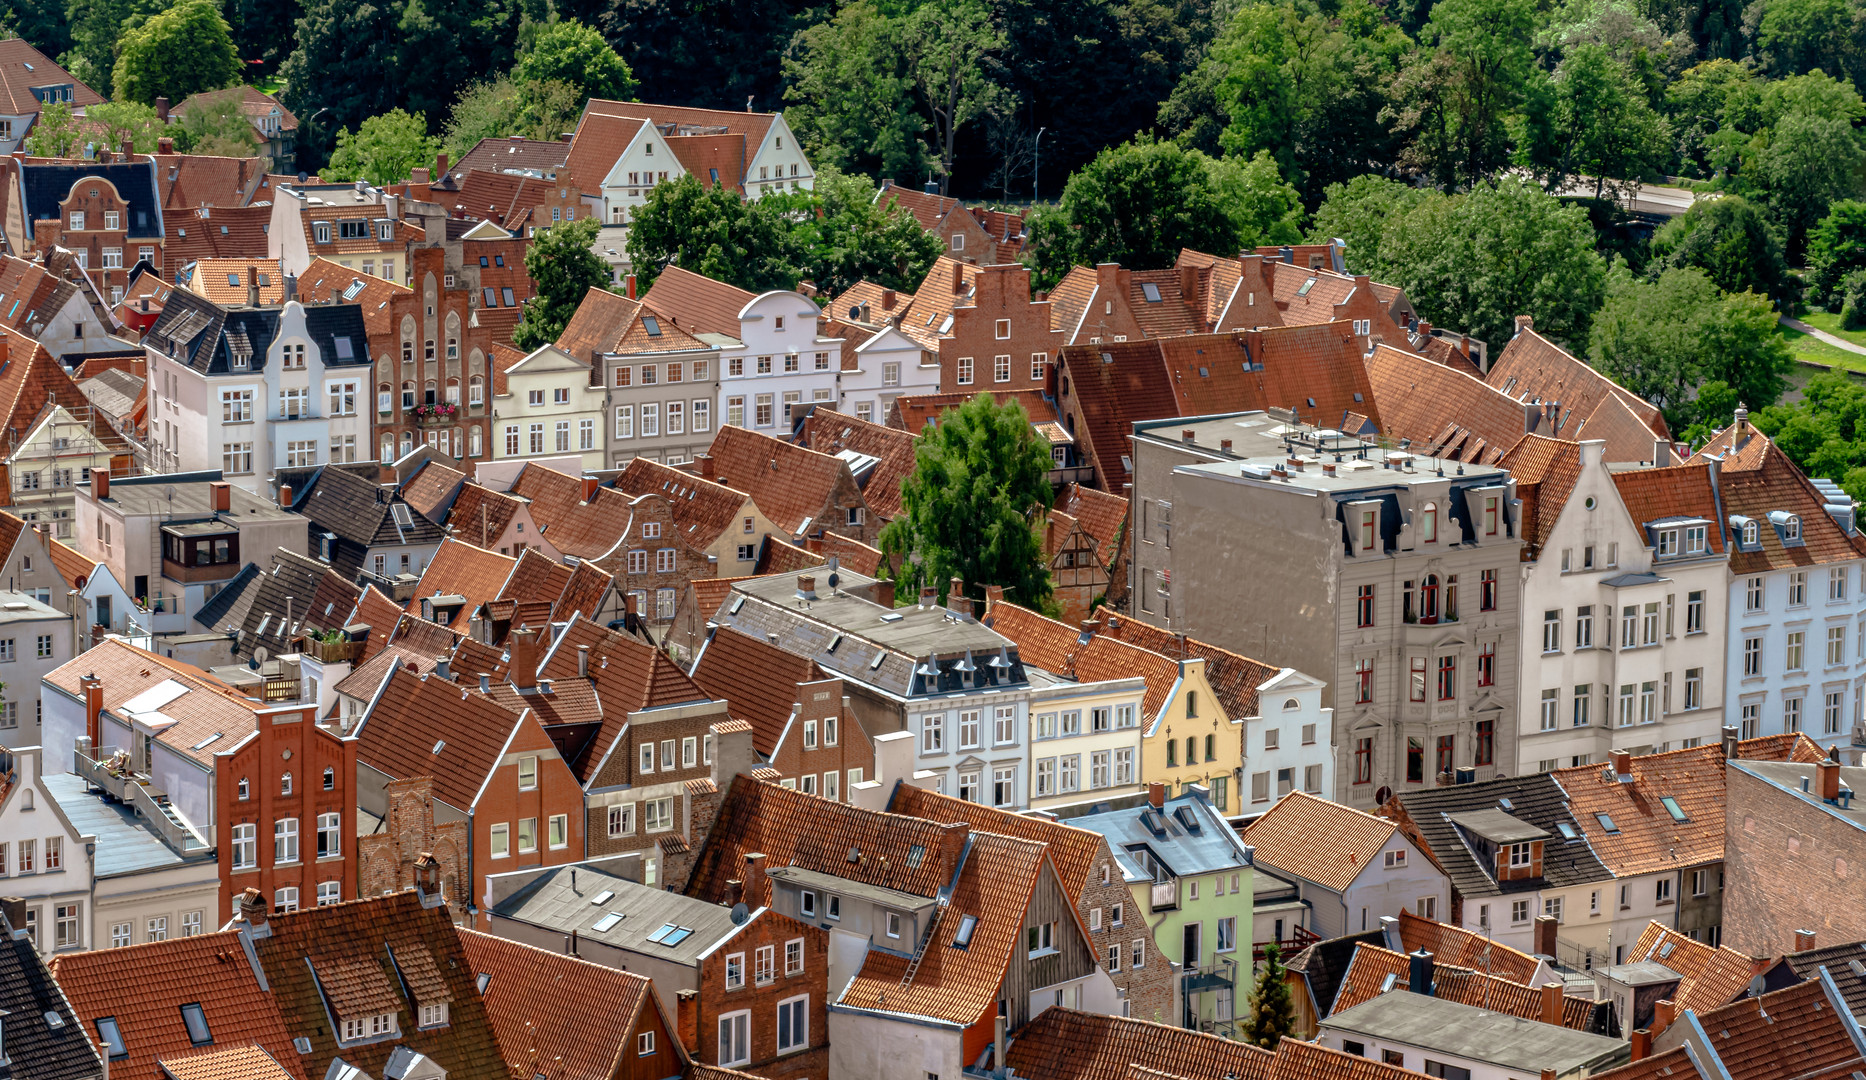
496,769
434,382
108,213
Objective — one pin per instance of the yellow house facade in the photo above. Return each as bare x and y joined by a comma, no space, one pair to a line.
1189,740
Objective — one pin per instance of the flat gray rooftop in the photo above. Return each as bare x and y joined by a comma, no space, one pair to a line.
1465,1031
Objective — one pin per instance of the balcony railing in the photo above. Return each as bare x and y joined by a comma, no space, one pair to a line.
138,792
1165,894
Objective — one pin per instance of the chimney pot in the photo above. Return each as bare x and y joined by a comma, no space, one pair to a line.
1525,322
1622,764
705,462
806,586
754,878
285,496
1225,445
629,280
1156,795
1804,940
590,484
1188,435
1729,741
1642,1044
485,683
884,593
161,108
1663,1011
222,494
1829,772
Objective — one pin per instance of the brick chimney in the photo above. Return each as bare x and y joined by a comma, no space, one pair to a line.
220,494
440,164
1729,742
100,483
93,707
687,1019
994,595
1551,1003
161,108
1804,940
705,463
1828,773
128,148
1642,1044
1189,285
165,145
253,913
524,671
14,908
884,593
1546,926
1156,795
1524,322
1663,1011
958,278
754,879
590,484
1622,765
285,496
252,286
956,601
628,282
887,299
735,891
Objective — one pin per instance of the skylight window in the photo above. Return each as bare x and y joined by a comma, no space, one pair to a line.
737,603
439,746
344,350
607,922
1306,286
833,642
233,279
915,855
669,934
356,286
652,325
603,897
111,1037
963,938
1606,822
1672,808
1505,804
196,1022
1389,982
1567,830
204,743
1151,292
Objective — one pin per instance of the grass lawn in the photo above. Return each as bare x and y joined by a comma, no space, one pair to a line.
1821,320
1809,347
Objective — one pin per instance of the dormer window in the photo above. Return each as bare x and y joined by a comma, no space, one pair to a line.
1519,855
1370,520
1695,537
1428,524
355,1029
1668,542
433,1016
1791,529
1749,533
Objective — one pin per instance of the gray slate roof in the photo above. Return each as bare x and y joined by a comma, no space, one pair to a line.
1536,800
360,512
125,843
1215,846
205,336
37,1048
554,903
1465,1031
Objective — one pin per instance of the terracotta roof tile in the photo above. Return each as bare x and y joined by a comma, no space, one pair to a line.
225,232
995,884
790,483
427,727
1792,1032
208,707
1116,384
1064,1044
830,432
698,304
431,490
535,579
249,1062
1546,471
628,675
927,317
31,380
1285,839
1680,491
1292,366
586,530
324,281
1673,1064
703,509
23,67
372,940
376,611
1534,367
795,829
1057,648
601,318
758,681
141,986
584,592
913,412
1234,678
714,160
480,514
72,565
464,570
543,155
225,281
1465,948
1646,837
1372,966
525,999
499,197
1073,851
848,552
1445,412
1103,516
1298,1060
1771,482
1713,977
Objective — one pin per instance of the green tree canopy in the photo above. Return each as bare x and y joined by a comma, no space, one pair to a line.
1837,246
178,53
1665,339
1272,1014
846,236
1811,162
1798,36
1453,99
111,122
56,133
384,150
850,95
564,268
1138,205
714,232
1357,213
952,60
216,128
1731,240
1591,119
1824,432
572,53
974,505
1505,248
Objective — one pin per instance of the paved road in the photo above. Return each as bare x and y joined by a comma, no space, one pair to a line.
1822,335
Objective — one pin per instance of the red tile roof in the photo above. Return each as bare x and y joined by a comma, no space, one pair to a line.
464,570
1073,851
225,281
1465,948
208,707
830,432
525,999
1713,977
698,304
1445,412
1058,648
1765,480
430,487
1533,367
1678,491
32,379
1372,965
601,318
324,281
913,412
249,1062
480,515
996,882
597,145
144,987
23,67
1064,1044
1285,839
427,727
682,119
1546,471
794,829
1234,678
629,676
714,160
758,680
587,530
703,509
790,483
1103,516
225,232
1794,1032
848,552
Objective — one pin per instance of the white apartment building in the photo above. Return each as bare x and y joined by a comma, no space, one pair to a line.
773,354
549,410
1796,648
42,857
1623,609
34,639
1289,745
887,365
247,391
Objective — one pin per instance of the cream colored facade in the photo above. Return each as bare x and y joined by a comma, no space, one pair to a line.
1191,717
549,409
1085,741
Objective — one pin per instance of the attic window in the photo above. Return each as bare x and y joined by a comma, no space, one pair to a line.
196,1022
1150,291
356,286
112,1037
344,350
1389,982
652,325
603,897
737,603
439,745
233,279
1306,286
1505,804
204,743
1311,402
1672,808
1566,830
833,642
607,922
963,938
1606,822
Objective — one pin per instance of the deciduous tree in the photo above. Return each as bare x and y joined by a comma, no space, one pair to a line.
1731,240
973,506
850,95
846,235
180,52
1837,246
383,150
572,53
714,232
952,58
563,268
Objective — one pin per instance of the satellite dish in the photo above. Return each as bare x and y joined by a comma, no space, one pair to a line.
740,913
261,654
835,580
1381,796
855,311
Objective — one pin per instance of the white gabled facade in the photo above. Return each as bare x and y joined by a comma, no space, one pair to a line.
781,359
1289,745
45,862
549,410
887,365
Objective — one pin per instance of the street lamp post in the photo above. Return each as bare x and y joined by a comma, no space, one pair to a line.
1036,160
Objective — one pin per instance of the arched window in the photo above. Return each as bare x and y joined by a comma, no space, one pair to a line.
427,392
408,351
1192,749
408,395
385,398
453,348
1749,532
475,445
453,391
388,448
330,778
476,391
408,442
1428,524
285,784
246,789
1428,599
1291,705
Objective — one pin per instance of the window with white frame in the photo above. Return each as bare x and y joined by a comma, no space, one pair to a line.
735,1038
793,1024
245,847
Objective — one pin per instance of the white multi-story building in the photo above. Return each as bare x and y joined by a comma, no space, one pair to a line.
773,354
251,390
34,639
1796,650
42,855
1623,606
1289,745
549,410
